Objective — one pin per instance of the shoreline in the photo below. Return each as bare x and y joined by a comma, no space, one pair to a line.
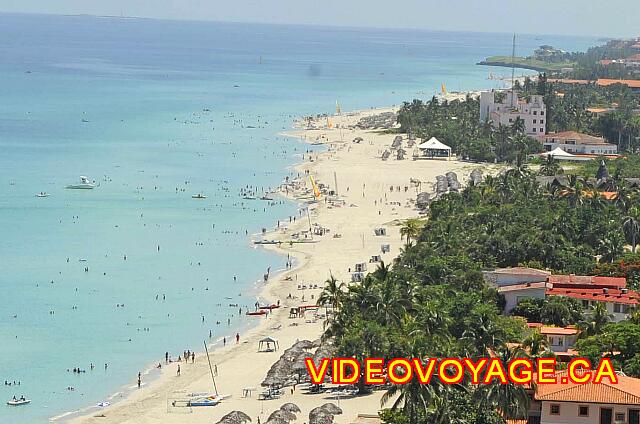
314,263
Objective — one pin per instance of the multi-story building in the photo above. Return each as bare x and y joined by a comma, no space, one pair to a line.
505,112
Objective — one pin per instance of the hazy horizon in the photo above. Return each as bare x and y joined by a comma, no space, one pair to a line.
571,17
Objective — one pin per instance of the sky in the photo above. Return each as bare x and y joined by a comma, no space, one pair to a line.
610,18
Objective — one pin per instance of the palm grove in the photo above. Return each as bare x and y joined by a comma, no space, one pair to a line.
433,302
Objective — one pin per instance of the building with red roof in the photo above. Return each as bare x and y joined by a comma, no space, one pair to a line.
570,403
590,290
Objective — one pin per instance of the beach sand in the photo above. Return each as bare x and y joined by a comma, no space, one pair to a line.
364,182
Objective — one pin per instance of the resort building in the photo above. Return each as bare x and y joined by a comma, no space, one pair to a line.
577,143
569,403
507,111
516,284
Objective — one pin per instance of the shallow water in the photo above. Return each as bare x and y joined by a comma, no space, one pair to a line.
156,111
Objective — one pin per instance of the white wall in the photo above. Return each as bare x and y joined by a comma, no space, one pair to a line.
511,297
569,413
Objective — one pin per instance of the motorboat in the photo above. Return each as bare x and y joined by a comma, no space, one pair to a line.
257,313
18,402
199,196
42,194
84,184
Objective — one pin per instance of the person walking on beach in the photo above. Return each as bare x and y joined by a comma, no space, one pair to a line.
166,357
178,374
237,338
224,341
193,357
139,379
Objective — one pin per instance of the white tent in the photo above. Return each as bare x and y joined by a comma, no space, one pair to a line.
434,148
560,154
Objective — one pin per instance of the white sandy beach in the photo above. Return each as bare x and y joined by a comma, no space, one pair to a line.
364,182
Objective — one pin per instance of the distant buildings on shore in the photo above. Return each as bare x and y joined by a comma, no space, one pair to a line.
508,110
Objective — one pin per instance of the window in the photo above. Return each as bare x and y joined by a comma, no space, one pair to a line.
542,121
585,304
535,122
554,409
534,130
617,308
583,411
541,129
542,112
619,417
535,112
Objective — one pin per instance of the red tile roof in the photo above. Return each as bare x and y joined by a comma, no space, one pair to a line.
625,392
598,295
629,83
560,331
579,138
615,282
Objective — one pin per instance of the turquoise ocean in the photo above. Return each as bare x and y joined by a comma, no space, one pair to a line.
156,111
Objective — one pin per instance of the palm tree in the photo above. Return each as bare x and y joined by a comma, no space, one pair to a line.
333,294
550,167
510,399
631,228
537,346
411,229
598,318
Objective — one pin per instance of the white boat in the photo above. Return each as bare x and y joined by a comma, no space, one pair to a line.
43,194
85,184
199,196
18,402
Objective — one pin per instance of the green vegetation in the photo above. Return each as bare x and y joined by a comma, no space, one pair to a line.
433,301
527,63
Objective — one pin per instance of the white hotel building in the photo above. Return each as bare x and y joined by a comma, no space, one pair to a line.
533,113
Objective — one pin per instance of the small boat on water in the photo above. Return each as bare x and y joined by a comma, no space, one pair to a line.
267,242
18,402
269,307
257,313
199,196
266,198
42,194
84,184
249,197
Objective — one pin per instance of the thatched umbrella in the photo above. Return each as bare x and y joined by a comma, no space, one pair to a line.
291,407
285,367
320,416
282,415
331,408
234,417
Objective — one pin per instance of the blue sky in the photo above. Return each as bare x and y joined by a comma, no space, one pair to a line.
576,17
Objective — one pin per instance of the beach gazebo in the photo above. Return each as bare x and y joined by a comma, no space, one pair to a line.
560,154
433,148
268,344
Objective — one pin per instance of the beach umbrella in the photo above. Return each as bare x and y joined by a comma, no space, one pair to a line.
291,407
276,420
320,416
331,408
234,417
282,415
